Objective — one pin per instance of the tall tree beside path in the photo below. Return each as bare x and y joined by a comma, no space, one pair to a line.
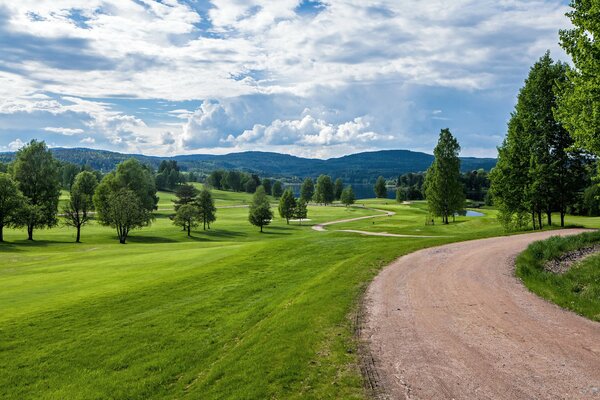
260,213
338,187
443,189
11,202
287,205
187,217
37,174
324,190
579,103
77,211
380,188
186,194
206,208
307,190
348,197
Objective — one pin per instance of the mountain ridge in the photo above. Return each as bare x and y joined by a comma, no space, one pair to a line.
358,167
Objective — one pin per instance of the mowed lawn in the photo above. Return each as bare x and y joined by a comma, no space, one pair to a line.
228,313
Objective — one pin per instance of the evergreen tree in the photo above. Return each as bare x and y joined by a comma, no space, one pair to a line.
301,211
443,190
38,176
260,213
324,190
11,202
186,194
77,211
347,196
187,217
338,187
307,191
277,189
287,205
206,208
380,188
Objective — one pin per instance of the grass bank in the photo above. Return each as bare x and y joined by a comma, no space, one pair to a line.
578,289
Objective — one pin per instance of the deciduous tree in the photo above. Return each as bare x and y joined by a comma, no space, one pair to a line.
324,190
348,197
301,211
77,211
380,188
307,191
277,189
260,213
287,205
187,217
11,203
338,187
206,208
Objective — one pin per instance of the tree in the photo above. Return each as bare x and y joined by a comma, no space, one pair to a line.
215,178
287,205
338,187
301,211
77,211
444,192
206,208
277,189
250,186
307,190
187,217
233,180
267,185
400,195
260,213
130,182
124,211
579,103
186,194
347,196
324,190
168,176
37,174
11,202
380,188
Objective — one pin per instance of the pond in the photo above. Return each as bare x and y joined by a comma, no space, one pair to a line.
470,213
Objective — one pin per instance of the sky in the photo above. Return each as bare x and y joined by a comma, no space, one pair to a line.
311,78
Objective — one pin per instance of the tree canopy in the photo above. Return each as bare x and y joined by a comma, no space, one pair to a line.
380,188
77,211
324,190
287,205
260,213
307,190
11,202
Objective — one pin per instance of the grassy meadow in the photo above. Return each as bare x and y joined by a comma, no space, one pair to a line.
227,313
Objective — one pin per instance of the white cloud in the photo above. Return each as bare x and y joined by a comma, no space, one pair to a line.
88,140
15,145
64,131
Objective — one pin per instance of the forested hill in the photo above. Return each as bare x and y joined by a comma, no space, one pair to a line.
360,167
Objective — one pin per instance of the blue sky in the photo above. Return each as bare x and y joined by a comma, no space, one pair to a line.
310,78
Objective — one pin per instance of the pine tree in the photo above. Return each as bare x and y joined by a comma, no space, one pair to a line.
307,191
380,188
206,208
186,194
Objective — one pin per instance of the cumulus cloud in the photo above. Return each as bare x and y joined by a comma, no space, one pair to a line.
64,131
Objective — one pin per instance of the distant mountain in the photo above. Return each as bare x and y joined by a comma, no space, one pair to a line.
361,167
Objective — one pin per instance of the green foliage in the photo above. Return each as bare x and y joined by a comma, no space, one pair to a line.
412,185
186,194
324,190
260,213
11,203
206,208
251,184
287,205
579,103
537,171
233,181
338,187
307,191
277,189
591,201
578,289
68,171
215,179
400,195
187,217
130,179
347,196
267,185
443,189
37,174
168,176
301,210
380,188
80,202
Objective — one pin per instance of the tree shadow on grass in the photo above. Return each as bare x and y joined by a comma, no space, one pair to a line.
215,235
150,239
277,230
6,247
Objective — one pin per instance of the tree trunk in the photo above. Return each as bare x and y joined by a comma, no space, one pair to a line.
549,214
540,219
78,233
562,221
261,229
287,220
533,220
1,233
204,225
188,229
30,232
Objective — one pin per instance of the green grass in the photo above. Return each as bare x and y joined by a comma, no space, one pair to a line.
228,313
578,289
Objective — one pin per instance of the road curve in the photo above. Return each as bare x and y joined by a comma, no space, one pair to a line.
453,322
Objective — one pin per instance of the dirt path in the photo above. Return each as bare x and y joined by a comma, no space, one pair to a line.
453,322
321,227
